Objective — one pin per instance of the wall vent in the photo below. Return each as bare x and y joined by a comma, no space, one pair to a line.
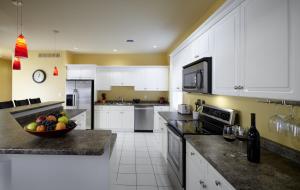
49,55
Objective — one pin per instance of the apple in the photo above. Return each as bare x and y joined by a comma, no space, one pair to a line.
51,118
40,119
41,128
31,126
60,126
63,119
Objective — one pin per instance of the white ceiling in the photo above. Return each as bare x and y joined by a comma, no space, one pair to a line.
99,26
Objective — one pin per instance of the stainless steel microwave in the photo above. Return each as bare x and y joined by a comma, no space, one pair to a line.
197,76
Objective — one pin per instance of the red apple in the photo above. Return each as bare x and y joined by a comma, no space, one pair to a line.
40,119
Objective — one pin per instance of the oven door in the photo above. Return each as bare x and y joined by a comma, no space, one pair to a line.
175,158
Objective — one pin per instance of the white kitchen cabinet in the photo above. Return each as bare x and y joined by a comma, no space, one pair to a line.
156,116
115,118
80,120
81,72
226,43
266,67
103,80
201,175
164,137
200,47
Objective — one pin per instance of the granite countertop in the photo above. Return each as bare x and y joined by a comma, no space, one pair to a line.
130,103
273,172
14,140
31,107
171,116
73,112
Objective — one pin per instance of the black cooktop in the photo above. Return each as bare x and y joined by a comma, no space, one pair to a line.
195,127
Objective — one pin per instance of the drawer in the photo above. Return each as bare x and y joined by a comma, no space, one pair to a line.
114,108
217,181
161,108
193,154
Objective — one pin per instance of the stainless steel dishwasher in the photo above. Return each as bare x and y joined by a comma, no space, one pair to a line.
143,118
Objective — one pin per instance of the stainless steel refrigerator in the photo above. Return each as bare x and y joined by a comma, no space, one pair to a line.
80,95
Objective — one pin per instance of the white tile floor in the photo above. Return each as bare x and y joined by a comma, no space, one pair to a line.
139,163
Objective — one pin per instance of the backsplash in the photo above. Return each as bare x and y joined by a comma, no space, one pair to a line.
128,93
245,106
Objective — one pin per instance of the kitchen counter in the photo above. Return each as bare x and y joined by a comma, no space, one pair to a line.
273,172
170,116
14,140
130,103
73,112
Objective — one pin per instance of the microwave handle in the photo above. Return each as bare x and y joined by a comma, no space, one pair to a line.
201,80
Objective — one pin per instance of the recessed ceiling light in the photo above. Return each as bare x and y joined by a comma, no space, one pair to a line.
130,41
17,3
75,48
115,50
155,46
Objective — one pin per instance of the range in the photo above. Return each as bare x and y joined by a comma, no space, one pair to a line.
212,121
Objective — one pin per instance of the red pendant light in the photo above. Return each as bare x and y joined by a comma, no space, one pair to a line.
21,50
55,72
21,47
17,64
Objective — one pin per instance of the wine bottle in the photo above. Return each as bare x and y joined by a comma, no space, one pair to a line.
253,146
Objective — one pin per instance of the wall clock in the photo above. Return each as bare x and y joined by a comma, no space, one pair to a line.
39,76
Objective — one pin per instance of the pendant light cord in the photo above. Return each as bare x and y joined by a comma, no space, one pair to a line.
21,15
17,17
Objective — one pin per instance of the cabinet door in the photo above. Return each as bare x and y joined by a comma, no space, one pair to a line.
266,65
73,73
101,119
162,79
87,73
200,47
225,54
103,80
164,137
127,120
115,120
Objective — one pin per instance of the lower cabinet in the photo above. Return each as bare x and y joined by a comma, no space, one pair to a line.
156,116
201,175
164,136
80,120
115,118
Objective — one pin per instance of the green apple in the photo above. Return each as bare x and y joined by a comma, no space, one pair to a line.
31,126
63,119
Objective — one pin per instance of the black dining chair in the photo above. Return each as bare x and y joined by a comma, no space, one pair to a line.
21,102
34,100
7,104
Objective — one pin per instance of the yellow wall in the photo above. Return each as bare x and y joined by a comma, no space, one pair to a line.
188,32
53,89
120,59
5,79
128,94
250,105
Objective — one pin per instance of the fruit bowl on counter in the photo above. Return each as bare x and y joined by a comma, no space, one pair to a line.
52,125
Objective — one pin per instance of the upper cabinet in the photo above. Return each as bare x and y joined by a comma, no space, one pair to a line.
226,43
255,47
154,78
266,68
81,72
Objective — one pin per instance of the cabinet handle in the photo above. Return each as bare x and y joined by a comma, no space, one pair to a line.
218,183
241,87
204,186
201,182
192,153
196,56
236,87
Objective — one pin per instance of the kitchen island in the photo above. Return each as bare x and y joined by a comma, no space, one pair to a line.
79,160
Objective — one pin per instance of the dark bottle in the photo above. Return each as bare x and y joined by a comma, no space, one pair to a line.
253,146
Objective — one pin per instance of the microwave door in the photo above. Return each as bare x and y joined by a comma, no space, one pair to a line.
190,80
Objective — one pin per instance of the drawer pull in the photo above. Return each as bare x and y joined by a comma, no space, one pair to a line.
218,183
192,153
204,186
201,182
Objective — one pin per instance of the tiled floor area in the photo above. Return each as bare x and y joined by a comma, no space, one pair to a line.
139,164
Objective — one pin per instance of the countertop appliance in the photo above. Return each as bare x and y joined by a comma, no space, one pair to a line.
80,95
184,109
143,118
212,121
197,76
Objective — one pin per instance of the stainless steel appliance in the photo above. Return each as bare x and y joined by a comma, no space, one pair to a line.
80,95
184,109
197,76
212,121
143,118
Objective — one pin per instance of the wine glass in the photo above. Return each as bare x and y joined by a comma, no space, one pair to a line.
241,135
229,133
